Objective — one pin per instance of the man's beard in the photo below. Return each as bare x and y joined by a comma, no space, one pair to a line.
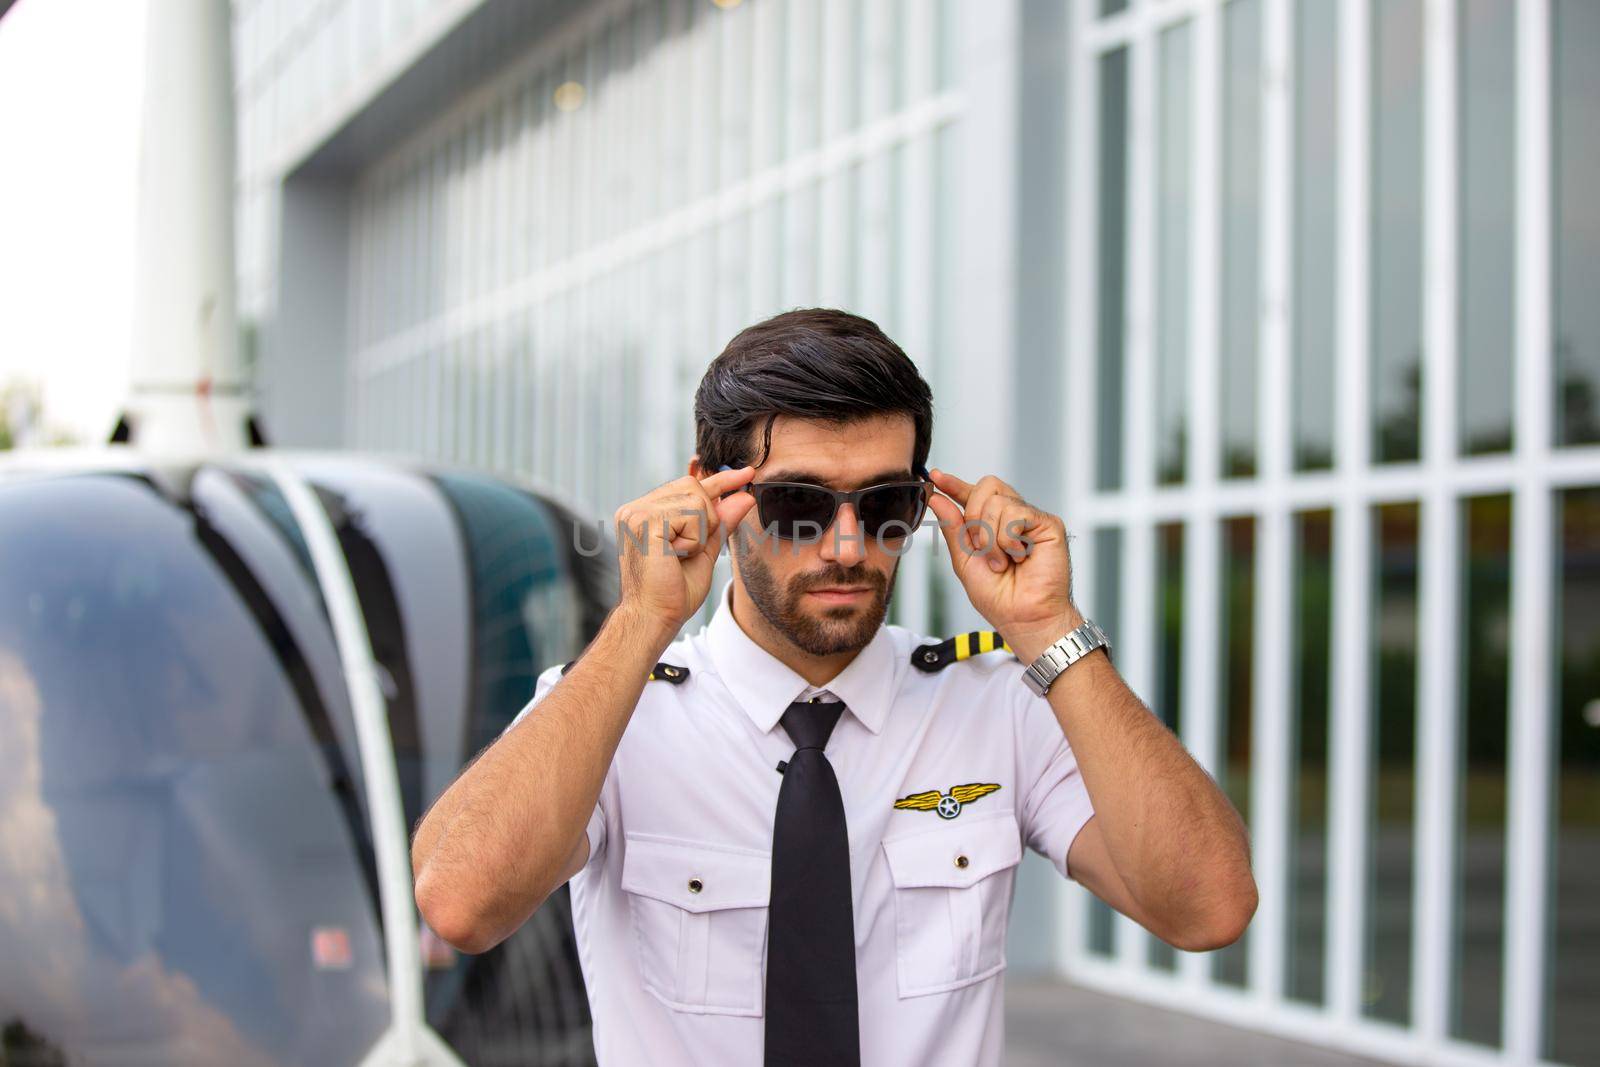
849,631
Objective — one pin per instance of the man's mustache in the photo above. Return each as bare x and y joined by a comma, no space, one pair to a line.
870,578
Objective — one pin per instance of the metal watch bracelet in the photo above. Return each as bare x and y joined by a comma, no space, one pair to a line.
1063,654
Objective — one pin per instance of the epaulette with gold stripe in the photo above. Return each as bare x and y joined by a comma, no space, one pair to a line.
661,672
940,654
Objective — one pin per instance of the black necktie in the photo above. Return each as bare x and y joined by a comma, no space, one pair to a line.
811,941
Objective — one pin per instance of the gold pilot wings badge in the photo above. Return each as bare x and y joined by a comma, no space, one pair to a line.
948,805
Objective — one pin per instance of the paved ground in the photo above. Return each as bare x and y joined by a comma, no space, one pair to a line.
1050,1024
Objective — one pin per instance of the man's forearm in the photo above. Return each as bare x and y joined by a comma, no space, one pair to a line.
1176,841
491,848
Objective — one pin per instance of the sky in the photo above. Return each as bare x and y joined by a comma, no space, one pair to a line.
70,96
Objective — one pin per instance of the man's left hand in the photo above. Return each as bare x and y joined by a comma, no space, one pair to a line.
1010,557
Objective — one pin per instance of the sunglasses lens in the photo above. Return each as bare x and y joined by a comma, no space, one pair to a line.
794,512
892,512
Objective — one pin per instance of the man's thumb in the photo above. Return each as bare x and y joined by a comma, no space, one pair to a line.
950,519
730,513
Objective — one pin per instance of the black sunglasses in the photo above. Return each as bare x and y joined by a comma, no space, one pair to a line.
800,511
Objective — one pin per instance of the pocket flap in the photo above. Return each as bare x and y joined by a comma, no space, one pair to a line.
956,853
695,875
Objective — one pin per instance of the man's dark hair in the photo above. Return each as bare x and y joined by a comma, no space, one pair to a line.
809,363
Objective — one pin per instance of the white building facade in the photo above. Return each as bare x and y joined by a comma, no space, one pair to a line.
1287,305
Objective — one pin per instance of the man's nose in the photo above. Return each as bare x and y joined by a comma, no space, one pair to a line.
843,541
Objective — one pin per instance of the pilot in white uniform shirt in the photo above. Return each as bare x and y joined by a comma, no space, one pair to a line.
945,775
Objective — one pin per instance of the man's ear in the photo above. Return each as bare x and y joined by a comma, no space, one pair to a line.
694,467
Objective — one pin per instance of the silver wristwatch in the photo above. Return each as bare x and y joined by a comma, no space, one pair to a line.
1063,654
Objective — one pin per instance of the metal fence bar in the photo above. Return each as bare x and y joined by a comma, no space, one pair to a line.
1529,744
1202,534
1080,383
1350,765
874,254
1270,781
1565,467
1138,648
1438,657
766,144
1205,253
914,199
835,230
1350,699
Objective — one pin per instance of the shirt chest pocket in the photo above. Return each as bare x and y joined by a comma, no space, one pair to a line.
952,899
699,922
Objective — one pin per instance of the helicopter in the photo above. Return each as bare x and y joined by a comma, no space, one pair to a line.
233,677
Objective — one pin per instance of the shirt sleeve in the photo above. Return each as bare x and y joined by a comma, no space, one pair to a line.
596,830
1055,802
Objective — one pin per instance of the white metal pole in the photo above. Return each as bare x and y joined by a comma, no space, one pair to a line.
1138,466
766,143
835,230
983,245
914,199
1433,905
798,264
1529,744
1202,718
1350,697
187,388
1080,384
1205,257
1349,724
1271,768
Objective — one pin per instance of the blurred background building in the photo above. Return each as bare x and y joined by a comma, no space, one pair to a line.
1289,306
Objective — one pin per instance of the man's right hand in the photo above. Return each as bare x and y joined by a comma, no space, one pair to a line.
510,828
668,541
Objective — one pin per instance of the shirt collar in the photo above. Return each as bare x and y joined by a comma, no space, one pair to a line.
765,687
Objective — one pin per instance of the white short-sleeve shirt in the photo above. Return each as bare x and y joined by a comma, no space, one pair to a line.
676,977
